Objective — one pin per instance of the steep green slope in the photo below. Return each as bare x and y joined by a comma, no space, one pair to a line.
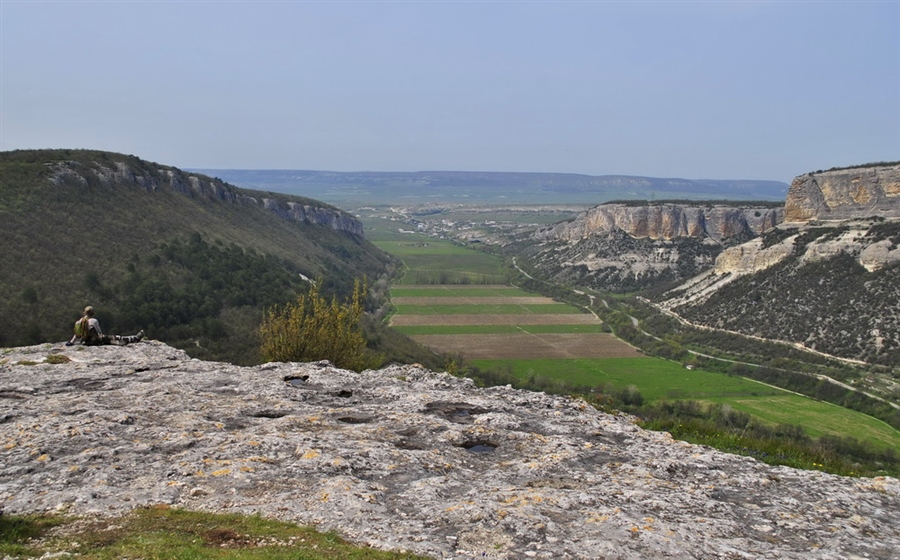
191,259
820,295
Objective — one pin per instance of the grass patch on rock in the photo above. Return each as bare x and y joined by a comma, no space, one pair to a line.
163,532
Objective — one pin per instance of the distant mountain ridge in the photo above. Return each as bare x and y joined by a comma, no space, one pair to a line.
476,186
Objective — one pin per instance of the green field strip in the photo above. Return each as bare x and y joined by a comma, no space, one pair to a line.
436,262
497,309
818,418
471,290
472,319
499,329
656,379
452,258
473,300
522,345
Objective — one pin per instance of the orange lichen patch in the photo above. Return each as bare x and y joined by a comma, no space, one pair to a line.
521,501
221,472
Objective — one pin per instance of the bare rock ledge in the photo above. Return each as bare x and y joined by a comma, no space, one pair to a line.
400,458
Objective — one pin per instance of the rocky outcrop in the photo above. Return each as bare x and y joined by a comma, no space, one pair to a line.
858,192
628,247
834,289
151,177
321,215
752,256
873,243
405,458
668,221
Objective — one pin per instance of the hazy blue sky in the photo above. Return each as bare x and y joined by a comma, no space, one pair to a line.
722,90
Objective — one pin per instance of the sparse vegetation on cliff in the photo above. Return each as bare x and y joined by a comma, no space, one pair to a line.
861,166
311,328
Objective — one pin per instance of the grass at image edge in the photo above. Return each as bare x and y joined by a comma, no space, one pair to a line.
163,532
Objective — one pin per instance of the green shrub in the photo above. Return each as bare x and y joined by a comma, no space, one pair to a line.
311,329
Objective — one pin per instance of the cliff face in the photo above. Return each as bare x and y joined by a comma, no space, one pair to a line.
826,278
405,458
668,221
624,247
844,194
153,178
834,289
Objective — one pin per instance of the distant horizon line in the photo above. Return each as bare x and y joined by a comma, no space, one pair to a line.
675,178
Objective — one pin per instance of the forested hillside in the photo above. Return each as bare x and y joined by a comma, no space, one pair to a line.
190,259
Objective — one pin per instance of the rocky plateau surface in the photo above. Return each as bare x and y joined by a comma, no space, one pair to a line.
405,458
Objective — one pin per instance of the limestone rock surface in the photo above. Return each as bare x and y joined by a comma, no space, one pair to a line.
667,221
751,257
405,458
845,193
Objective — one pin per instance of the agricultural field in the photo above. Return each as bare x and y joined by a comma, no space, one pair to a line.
435,262
529,346
495,322
501,327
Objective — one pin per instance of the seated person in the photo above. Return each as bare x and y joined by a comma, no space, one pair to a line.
88,332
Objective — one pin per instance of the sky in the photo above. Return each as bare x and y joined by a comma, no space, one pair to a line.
695,90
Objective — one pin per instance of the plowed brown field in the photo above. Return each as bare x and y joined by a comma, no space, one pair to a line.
525,345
